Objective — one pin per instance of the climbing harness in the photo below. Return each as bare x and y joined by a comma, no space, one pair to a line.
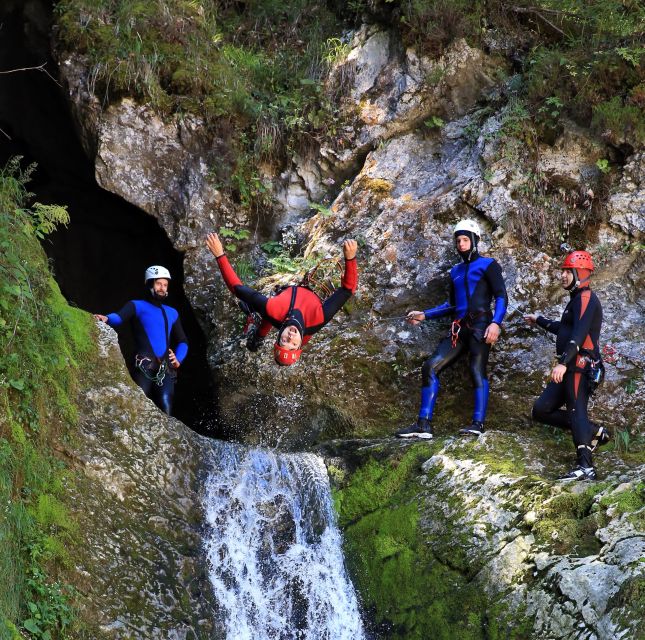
157,378
140,361
455,328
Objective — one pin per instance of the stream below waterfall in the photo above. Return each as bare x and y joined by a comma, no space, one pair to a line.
274,549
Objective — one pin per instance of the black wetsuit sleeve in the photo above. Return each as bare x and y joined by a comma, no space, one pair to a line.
179,339
255,300
498,287
334,304
552,326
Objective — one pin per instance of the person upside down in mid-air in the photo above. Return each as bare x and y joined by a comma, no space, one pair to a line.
296,312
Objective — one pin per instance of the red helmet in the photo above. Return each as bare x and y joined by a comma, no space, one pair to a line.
578,260
286,357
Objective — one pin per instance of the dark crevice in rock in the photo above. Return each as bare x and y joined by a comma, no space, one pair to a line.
100,259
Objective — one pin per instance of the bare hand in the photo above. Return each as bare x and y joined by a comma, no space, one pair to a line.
350,247
530,318
98,316
173,359
415,317
558,373
214,244
492,333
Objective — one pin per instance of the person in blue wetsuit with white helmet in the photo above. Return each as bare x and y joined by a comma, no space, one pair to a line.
474,284
156,328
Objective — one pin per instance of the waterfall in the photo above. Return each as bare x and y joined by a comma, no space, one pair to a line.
274,549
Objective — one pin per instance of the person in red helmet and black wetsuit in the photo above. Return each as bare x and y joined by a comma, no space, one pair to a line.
579,365
296,312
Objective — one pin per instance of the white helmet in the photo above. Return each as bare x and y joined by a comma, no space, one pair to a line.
467,225
154,272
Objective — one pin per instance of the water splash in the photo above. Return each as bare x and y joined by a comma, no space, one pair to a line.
274,550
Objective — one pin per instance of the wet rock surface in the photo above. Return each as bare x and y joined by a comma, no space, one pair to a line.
140,570
524,554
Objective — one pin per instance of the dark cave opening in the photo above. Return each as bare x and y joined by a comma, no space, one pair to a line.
100,259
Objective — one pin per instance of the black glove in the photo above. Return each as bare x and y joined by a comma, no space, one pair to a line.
254,342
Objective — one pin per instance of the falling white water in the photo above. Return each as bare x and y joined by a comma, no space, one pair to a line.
274,550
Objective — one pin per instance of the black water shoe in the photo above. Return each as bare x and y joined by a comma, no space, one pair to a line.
422,428
579,474
475,429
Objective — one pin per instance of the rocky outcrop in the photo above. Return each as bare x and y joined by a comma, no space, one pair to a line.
627,206
425,145
518,555
139,568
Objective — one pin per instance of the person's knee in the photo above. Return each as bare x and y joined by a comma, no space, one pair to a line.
429,370
538,412
477,375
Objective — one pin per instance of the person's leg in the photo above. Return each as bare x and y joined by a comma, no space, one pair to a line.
164,395
444,356
478,361
141,380
577,394
547,409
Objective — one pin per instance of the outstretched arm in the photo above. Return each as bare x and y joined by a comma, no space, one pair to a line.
416,317
253,298
348,282
117,319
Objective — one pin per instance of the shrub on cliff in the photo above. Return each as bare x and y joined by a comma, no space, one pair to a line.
41,342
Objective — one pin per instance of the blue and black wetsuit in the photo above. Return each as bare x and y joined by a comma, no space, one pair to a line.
474,284
153,336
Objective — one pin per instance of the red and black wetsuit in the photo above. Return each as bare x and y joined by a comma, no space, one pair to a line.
307,311
577,347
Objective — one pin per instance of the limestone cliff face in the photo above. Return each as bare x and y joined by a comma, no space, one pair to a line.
139,568
427,147
452,527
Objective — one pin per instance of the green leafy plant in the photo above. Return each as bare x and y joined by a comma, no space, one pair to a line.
630,386
234,234
622,440
41,342
434,122
244,270
603,165
272,247
326,212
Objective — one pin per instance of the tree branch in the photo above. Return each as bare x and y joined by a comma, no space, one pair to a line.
40,67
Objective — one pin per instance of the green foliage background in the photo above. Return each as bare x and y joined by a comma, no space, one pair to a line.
42,344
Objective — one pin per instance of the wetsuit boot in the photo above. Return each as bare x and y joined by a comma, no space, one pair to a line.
579,473
584,469
422,428
475,429
481,404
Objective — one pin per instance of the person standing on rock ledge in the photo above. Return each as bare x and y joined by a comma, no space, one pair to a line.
156,326
579,366
296,312
473,285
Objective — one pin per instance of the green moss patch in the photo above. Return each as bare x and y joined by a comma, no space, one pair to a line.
409,592
42,343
